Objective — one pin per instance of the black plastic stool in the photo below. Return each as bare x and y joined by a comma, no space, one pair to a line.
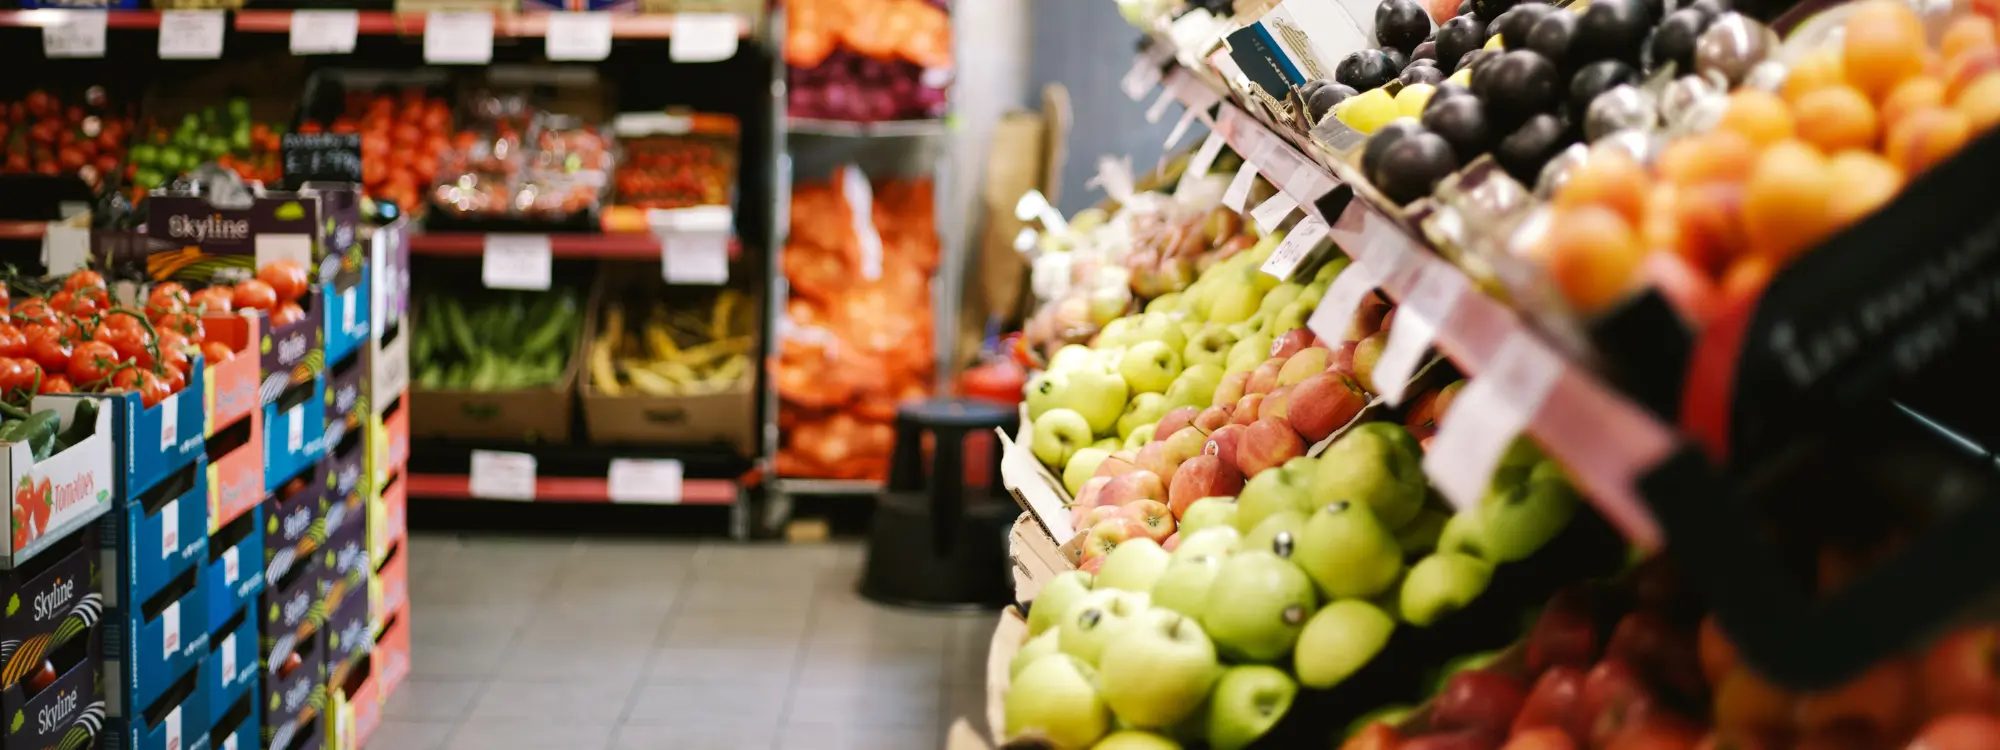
932,545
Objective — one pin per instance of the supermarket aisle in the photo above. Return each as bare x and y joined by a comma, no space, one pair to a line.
569,644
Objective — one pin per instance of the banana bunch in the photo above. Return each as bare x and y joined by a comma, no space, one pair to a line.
666,351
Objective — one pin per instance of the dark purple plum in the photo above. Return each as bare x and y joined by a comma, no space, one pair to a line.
1402,24
1461,122
1550,37
1323,100
1427,50
1610,29
1445,91
1457,37
1523,152
1306,89
1398,59
1472,59
1673,41
1487,10
1421,74
1413,165
1518,85
1597,78
1371,154
1513,25
1365,69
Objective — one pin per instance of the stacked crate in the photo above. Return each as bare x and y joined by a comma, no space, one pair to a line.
345,638
234,572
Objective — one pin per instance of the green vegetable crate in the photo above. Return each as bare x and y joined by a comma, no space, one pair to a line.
494,364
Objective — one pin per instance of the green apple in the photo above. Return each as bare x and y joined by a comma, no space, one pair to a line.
1055,700
1096,618
1143,409
1377,463
1058,435
1464,533
1159,670
1133,739
1164,303
1161,327
1206,513
1195,387
1209,347
1293,316
1184,587
1070,357
1440,584
1098,395
1420,535
1339,639
1150,366
1109,444
1462,663
1115,333
1235,303
1330,270
1249,351
1519,521
1054,600
1256,606
1279,296
1036,648
1286,487
1277,534
1520,460
1134,565
1140,436
1347,552
1248,700
1082,465
1214,540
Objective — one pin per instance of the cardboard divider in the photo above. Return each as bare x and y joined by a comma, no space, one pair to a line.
51,499
155,539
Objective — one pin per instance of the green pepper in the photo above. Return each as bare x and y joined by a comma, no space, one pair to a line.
40,432
545,336
82,425
11,410
461,331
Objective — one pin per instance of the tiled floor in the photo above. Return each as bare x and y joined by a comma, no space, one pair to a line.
572,644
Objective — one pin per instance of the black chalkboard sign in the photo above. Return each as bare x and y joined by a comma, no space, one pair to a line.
321,157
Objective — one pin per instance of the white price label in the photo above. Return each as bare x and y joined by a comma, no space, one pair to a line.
1271,214
173,723
65,248
347,311
1297,245
295,429
695,258
1486,417
1333,317
1239,187
1144,75
74,33
228,659
170,627
517,261
191,34
458,37
503,475
1428,305
1159,108
324,32
1180,129
1202,160
1115,176
638,480
229,743
170,422
861,202
704,37
578,36
170,529
232,564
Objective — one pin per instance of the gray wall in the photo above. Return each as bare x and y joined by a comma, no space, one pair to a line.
1086,46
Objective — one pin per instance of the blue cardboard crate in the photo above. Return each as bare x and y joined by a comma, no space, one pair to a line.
346,321
294,437
149,645
235,572
149,542
232,668
174,721
153,442
240,727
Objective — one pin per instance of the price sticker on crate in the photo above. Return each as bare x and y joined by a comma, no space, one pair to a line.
517,261
1495,407
191,34
173,720
170,422
170,529
74,33
458,37
228,654
232,564
324,32
1296,247
502,475
645,480
694,243
1424,310
578,36
295,429
170,634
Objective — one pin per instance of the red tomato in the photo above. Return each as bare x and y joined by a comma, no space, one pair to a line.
5,296
168,297
215,299
14,374
91,361
175,360
287,314
174,380
131,343
13,343
255,295
49,351
216,352
83,279
56,384
287,279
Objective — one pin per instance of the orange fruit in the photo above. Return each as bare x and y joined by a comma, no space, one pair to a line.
1884,44
1760,116
1980,102
1835,118
1862,182
1926,137
1593,256
1718,155
1814,70
1785,202
1609,179
1967,33
1909,96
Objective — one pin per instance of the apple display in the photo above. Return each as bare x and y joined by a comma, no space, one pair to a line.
1209,513
1515,521
1420,535
1133,566
1164,457
1210,347
1230,389
1478,699
1096,619
1367,352
1324,402
1151,514
1150,366
1277,534
1158,670
1069,357
1268,443
1098,395
1055,700
1248,352
1195,386
1138,439
1256,607
1247,702
1087,495
1288,487
1144,409
1119,462
1374,735
1222,444
1290,343
1131,486
1158,327
1553,702
1341,638
1277,405
1133,739
1036,648
1082,465
1566,634
1347,552
1062,590
1265,376
1308,362
1184,587
1293,317
1960,731
1105,535
1441,584
1377,463
1278,297
1247,409
1059,434
1173,420
1215,418
1202,476
1091,516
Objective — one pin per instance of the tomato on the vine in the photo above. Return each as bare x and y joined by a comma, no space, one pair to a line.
216,352
173,379
255,295
287,314
287,279
152,390
13,343
215,299
33,310
56,384
91,361
83,279
132,342
168,297
14,374
49,351
173,360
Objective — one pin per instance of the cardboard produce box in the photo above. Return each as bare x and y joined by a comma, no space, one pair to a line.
727,416
532,413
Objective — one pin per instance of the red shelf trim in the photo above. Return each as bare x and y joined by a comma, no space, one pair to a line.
569,489
628,246
383,23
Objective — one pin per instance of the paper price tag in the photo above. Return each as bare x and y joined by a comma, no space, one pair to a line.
458,37
638,480
324,32
503,475
232,565
1033,206
295,429
1159,108
170,627
578,36
1115,176
517,261
1180,129
695,258
1144,75
1202,160
1493,409
228,658
229,743
173,721
1239,187
703,37
1271,213
170,529
1427,306
74,33
191,34
65,248
1298,244
1335,313
170,422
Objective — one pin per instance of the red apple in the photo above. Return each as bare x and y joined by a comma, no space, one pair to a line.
1173,541
1265,376
1553,702
1962,672
1371,316
1290,342
1613,696
1222,443
1477,699
1960,731
1153,516
1460,739
1367,352
1133,487
1091,565
1662,652
1655,731
1276,404
1376,736
1214,417
1173,420
1324,403
1343,359
1230,389
1107,534
1565,633
1119,462
1882,700
1090,494
1267,443
1205,475
1388,318
1422,410
1544,738
1089,518
1246,409
290,665
1184,444
1446,396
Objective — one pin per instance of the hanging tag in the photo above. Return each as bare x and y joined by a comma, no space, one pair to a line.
170,529
1297,245
74,33
1180,129
1239,188
635,480
1034,206
695,258
1335,313
502,475
1271,214
578,36
458,37
861,203
1144,75
517,261
1488,415
324,32
1115,176
704,37
1159,108
191,34
1202,160
1427,306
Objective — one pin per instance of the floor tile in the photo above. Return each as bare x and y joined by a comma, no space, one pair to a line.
712,666
456,660
733,630
883,666
559,702
864,706
433,700
678,737
643,556
392,734
707,705
705,595
843,737
582,661
477,734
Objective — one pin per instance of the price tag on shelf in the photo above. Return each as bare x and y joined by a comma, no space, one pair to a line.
1144,75
502,475
1180,129
65,248
74,33
170,422
1272,212
1335,313
1115,176
704,37
324,32
1239,187
861,206
695,258
458,37
1202,160
641,480
517,261
1159,108
1299,243
170,529
1485,418
191,34
1430,302
578,36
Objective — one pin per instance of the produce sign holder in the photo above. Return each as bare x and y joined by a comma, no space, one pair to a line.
70,711
157,538
48,605
234,646
63,493
145,662
317,157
